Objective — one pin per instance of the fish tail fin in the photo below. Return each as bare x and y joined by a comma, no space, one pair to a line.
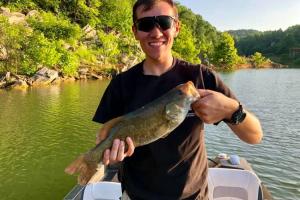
85,169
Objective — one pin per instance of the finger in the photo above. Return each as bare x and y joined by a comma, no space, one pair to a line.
106,155
204,92
131,147
114,150
121,155
197,106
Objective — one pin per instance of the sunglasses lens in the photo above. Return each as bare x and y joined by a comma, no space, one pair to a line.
146,24
165,22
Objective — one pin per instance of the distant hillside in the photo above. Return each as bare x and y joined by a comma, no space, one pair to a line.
242,33
280,46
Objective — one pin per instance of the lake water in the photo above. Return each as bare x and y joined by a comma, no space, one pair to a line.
43,129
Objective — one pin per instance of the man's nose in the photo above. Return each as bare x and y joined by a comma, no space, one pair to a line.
156,31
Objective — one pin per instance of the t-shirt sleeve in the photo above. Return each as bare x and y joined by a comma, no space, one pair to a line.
110,105
214,82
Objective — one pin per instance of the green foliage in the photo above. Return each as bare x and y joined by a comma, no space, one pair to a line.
12,38
86,55
28,50
297,62
55,28
19,5
116,15
81,11
108,47
258,60
205,36
38,51
184,45
225,56
53,38
68,62
271,43
242,33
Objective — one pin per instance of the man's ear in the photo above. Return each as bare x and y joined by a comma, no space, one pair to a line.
134,30
177,28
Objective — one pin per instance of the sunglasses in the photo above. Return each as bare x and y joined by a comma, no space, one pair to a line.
146,24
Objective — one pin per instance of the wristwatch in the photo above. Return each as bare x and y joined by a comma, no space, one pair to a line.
237,117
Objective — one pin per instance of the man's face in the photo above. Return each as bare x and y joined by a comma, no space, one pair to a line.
157,43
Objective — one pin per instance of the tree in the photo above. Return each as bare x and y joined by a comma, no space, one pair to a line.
225,55
258,60
184,45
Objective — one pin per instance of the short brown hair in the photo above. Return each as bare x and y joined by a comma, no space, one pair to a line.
148,4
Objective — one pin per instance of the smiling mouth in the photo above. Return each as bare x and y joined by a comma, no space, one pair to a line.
156,44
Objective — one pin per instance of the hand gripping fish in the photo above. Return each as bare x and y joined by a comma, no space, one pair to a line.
147,124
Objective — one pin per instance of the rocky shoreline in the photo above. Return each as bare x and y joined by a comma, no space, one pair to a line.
46,76
273,65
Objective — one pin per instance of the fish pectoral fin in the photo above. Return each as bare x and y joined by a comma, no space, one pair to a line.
171,111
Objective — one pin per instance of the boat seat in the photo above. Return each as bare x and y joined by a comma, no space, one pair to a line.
233,184
103,191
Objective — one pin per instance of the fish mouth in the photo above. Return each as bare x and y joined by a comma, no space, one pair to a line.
189,90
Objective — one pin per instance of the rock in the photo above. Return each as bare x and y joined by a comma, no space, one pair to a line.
19,84
6,85
68,47
124,58
44,76
2,84
7,76
3,53
13,17
52,74
90,32
68,79
32,13
56,81
4,10
82,76
95,76
83,71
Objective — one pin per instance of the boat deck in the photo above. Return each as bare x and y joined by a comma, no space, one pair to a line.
111,175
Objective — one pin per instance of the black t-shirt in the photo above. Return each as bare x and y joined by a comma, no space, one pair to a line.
174,167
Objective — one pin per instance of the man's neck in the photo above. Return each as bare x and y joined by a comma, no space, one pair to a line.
157,67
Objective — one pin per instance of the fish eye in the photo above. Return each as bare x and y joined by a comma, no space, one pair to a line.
180,92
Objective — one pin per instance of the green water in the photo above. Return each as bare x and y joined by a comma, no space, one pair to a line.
43,129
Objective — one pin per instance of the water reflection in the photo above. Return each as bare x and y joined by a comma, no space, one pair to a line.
43,129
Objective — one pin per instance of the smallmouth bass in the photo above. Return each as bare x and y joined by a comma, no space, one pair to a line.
147,124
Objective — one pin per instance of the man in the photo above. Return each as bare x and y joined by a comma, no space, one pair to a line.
174,167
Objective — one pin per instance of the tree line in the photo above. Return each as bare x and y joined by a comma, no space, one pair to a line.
56,37
281,46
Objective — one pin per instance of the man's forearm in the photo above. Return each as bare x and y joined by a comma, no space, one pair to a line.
249,130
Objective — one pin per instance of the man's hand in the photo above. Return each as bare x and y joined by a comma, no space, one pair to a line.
214,106
117,152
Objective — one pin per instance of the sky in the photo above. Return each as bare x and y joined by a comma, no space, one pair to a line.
262,15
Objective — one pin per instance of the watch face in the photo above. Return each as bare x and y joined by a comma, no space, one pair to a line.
241,117
238,116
